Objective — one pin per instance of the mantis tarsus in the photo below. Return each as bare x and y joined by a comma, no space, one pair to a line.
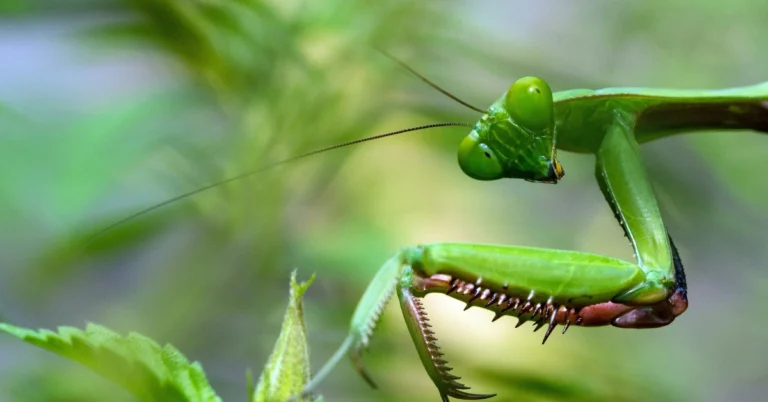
518,136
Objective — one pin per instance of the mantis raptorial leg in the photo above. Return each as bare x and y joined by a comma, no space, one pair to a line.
518,136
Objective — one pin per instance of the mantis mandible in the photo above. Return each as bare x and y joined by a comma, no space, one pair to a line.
518,137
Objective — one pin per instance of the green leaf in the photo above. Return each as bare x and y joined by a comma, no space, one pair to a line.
287,370
137,363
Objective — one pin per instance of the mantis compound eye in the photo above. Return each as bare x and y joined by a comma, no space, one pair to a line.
478,160
529,103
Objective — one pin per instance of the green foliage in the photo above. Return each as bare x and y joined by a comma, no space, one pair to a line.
140,365
137,363
288,369
163,374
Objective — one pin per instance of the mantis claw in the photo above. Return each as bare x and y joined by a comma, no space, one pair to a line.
466,396
356,356
426,344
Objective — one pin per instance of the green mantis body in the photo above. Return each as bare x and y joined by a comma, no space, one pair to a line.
518,137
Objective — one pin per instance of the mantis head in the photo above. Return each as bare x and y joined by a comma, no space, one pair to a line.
516,138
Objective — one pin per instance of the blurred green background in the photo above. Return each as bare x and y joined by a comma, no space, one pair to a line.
109,106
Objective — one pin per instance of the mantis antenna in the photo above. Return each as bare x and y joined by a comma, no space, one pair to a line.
300,156
263,169
430,83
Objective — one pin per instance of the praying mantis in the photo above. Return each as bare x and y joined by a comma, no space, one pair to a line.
518,137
